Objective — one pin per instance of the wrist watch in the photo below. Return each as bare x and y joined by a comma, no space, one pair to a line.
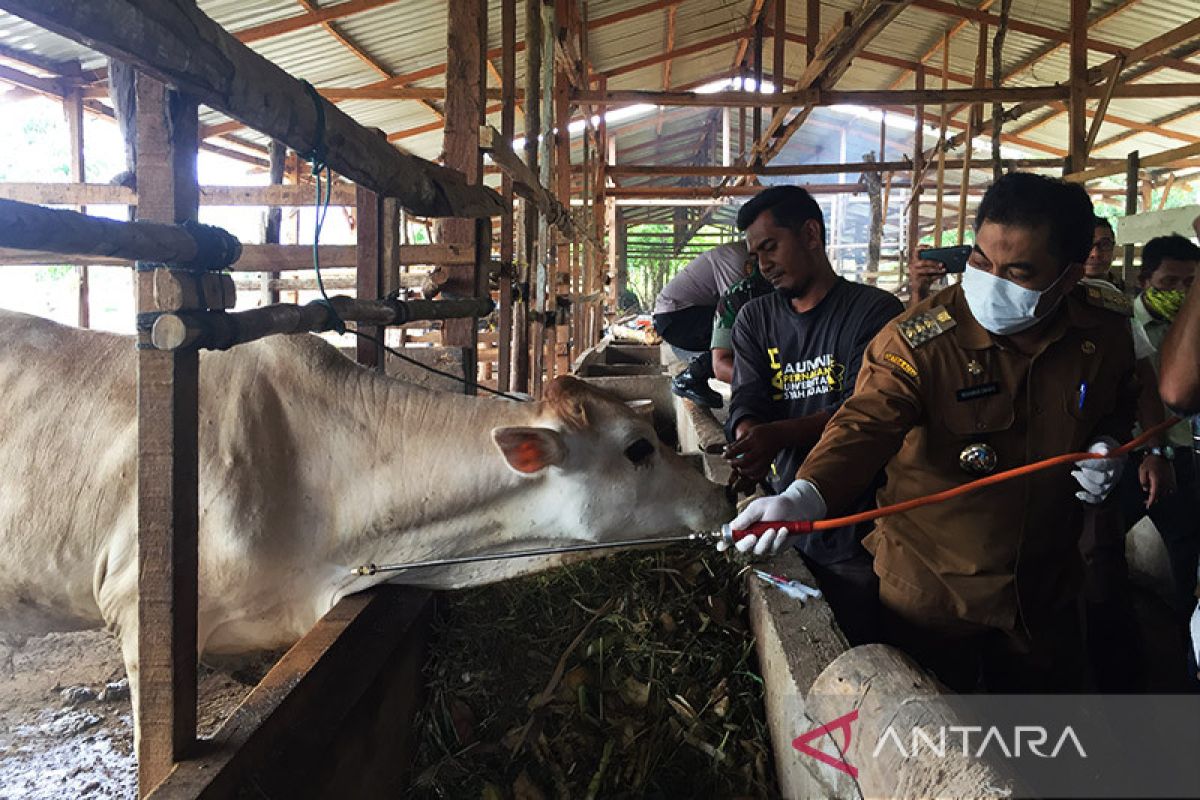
1167,452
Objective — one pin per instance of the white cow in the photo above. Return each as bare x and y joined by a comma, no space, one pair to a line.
309,466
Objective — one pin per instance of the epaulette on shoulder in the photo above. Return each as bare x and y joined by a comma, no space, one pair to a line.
1108,298
920,328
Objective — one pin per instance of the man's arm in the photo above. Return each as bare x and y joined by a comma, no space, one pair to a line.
922,275
870,426
757,439
751,384
1179,372
722,361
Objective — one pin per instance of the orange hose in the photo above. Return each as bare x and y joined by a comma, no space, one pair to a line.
999,477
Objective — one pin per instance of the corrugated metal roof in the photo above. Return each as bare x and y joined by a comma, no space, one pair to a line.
408,38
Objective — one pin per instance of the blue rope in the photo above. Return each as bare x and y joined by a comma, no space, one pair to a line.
316,157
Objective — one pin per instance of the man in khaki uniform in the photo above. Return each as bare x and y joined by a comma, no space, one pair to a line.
1002,370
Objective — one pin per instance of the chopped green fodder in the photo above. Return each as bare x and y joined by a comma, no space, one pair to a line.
628,676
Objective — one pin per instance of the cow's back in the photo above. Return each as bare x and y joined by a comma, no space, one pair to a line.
67,452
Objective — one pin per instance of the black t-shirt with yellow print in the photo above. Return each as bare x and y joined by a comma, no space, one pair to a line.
789,365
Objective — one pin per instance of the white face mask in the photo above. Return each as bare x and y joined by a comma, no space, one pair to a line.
1001,306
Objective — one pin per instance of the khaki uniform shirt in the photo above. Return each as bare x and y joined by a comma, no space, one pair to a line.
995,555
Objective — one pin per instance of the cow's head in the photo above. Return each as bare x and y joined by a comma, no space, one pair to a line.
605,471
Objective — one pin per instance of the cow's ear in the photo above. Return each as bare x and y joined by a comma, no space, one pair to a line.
530,450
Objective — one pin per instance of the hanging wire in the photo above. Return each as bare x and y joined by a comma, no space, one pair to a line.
321,171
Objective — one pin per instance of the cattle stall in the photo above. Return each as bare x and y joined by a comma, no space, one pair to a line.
619,137
328,685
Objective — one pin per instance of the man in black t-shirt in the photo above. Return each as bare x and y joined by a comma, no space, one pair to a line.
797,353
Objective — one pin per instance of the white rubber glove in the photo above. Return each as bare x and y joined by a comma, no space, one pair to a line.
800,501
1098,476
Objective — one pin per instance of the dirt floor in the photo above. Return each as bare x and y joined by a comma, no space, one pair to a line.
62,735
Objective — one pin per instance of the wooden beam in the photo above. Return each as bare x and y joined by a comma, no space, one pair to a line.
1101,111
698,47
879,97
99,194
432,126
1157,124
838,47
1158,159
1034,29
168,461
941,44
691,170
184,48
309,19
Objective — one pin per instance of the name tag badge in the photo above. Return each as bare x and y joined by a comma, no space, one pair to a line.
976,392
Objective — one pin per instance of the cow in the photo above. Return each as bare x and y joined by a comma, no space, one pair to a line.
309,466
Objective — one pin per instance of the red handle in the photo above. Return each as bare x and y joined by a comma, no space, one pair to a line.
794,526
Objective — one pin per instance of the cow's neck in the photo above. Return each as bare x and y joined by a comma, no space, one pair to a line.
426,480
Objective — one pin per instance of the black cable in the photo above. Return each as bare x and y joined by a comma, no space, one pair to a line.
393,351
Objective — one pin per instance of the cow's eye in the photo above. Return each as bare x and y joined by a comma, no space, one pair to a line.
639,452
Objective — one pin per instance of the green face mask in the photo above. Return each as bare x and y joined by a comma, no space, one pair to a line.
1163,303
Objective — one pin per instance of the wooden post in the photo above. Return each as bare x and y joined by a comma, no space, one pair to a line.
549,264
369,282
73,108
758,75
466,80
1132,171
601,214
533,122
1077,107
812,28
914,203
168,457
274,218
508,92
941,156
973,125
620,234
779,42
